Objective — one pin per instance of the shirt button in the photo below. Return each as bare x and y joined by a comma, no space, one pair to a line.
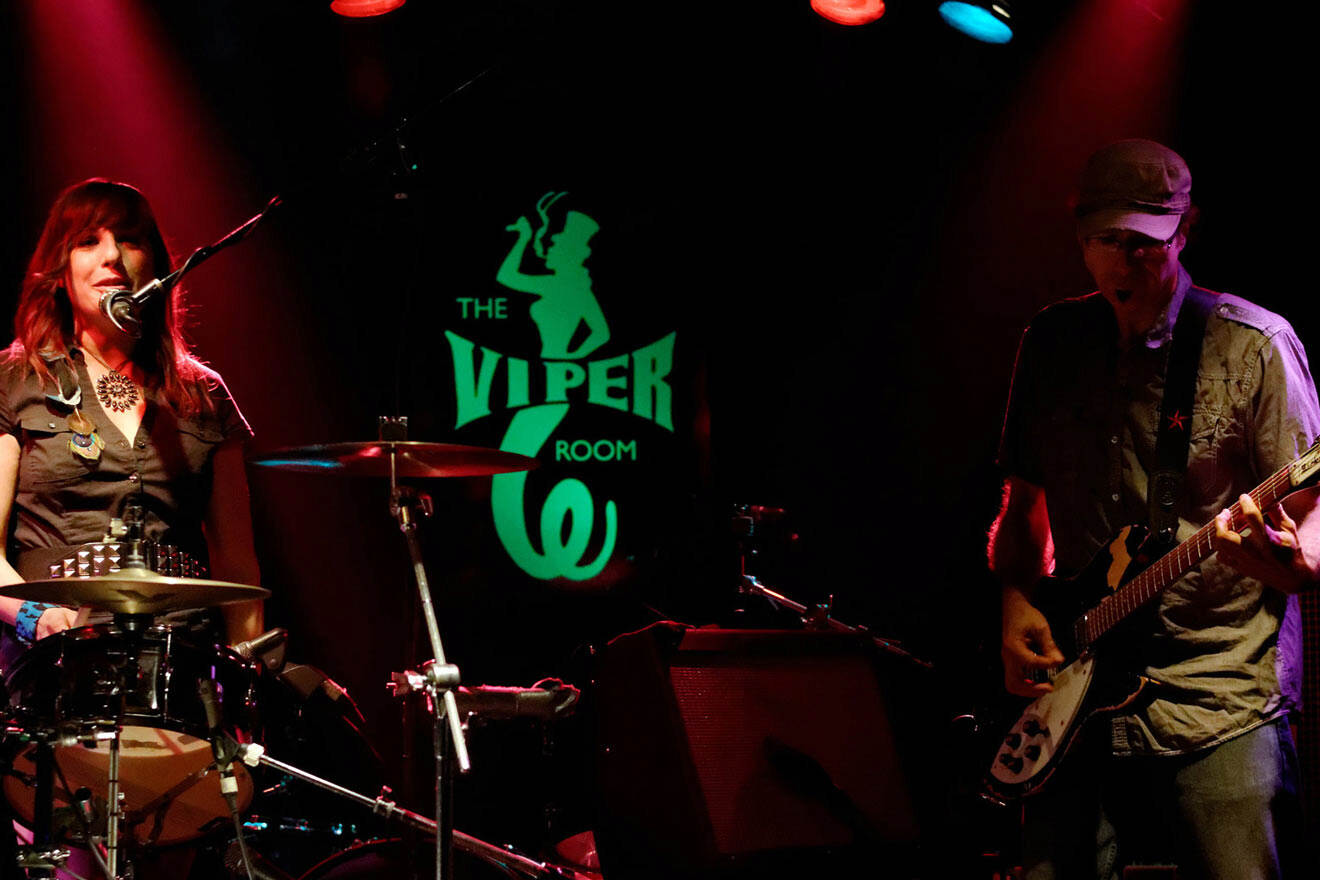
133,478
1114,496
52,424
1114,439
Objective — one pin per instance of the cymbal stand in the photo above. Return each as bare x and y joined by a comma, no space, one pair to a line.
406,504
132,625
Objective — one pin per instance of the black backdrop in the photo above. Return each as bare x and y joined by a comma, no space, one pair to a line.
845,227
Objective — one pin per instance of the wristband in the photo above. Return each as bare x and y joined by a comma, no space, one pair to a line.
26,622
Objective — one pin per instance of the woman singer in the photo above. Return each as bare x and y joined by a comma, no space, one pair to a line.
94,421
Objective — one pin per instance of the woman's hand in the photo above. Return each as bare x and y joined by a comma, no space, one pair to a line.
55,620
522,226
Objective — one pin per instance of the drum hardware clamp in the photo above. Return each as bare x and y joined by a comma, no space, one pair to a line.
34,857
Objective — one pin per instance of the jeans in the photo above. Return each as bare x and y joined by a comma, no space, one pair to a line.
1229,812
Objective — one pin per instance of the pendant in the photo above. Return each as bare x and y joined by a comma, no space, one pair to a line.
116,392
85,442
86,446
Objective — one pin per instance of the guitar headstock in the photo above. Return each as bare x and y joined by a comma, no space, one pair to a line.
1307,466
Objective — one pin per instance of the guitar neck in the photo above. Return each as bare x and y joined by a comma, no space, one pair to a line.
1115,608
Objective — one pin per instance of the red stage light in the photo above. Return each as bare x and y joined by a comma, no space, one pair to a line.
364,8
851,12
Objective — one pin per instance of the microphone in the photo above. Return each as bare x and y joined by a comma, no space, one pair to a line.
124,307
264,647
214,733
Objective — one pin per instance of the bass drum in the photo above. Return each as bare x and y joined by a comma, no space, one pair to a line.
87,679
396,860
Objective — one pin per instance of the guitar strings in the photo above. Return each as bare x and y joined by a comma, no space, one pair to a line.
1168,568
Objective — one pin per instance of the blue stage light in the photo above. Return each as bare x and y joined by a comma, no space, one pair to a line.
988,22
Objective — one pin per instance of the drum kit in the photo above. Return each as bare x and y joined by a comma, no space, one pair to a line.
126,738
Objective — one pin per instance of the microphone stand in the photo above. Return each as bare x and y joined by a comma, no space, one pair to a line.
441,677
746,522
223,751
504,857
124,308
818,617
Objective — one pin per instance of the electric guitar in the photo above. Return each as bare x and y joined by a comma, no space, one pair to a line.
1083,612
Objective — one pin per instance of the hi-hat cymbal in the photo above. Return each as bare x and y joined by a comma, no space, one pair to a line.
134,591
412,458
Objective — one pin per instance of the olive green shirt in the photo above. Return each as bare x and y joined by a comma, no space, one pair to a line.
1081,424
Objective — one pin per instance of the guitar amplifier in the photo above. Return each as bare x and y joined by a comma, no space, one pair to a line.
737,753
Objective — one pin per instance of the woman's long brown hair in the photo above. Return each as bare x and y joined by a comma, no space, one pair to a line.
43,324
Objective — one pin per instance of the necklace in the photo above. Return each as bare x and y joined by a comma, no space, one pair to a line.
116,391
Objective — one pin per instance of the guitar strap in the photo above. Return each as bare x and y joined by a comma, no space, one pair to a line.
1175,429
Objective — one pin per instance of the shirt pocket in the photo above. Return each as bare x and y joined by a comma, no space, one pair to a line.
1206,474
47,458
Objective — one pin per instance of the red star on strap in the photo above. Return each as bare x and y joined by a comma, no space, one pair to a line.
1176,421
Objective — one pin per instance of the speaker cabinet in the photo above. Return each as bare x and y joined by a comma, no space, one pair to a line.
745,753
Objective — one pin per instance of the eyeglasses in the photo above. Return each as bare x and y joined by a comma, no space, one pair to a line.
1116,243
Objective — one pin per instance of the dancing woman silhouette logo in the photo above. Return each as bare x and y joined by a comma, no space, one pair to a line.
564,296
556,543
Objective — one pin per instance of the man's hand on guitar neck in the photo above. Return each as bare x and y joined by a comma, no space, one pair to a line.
1272,549
1027,645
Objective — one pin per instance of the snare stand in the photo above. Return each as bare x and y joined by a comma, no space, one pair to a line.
406,503
132,625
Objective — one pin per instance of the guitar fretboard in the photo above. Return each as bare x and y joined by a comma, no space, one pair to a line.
1113,609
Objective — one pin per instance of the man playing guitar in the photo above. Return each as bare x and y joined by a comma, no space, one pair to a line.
1200,772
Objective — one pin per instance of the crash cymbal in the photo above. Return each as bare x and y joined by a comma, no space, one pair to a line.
412,458
134,591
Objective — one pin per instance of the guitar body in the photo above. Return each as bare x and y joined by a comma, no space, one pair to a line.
1091,684
1098,620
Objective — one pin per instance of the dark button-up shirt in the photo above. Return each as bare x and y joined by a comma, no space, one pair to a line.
1082,423
64,499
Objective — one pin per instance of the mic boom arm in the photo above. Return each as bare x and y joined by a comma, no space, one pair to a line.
124,308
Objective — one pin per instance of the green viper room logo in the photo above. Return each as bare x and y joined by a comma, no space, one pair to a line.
540,392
